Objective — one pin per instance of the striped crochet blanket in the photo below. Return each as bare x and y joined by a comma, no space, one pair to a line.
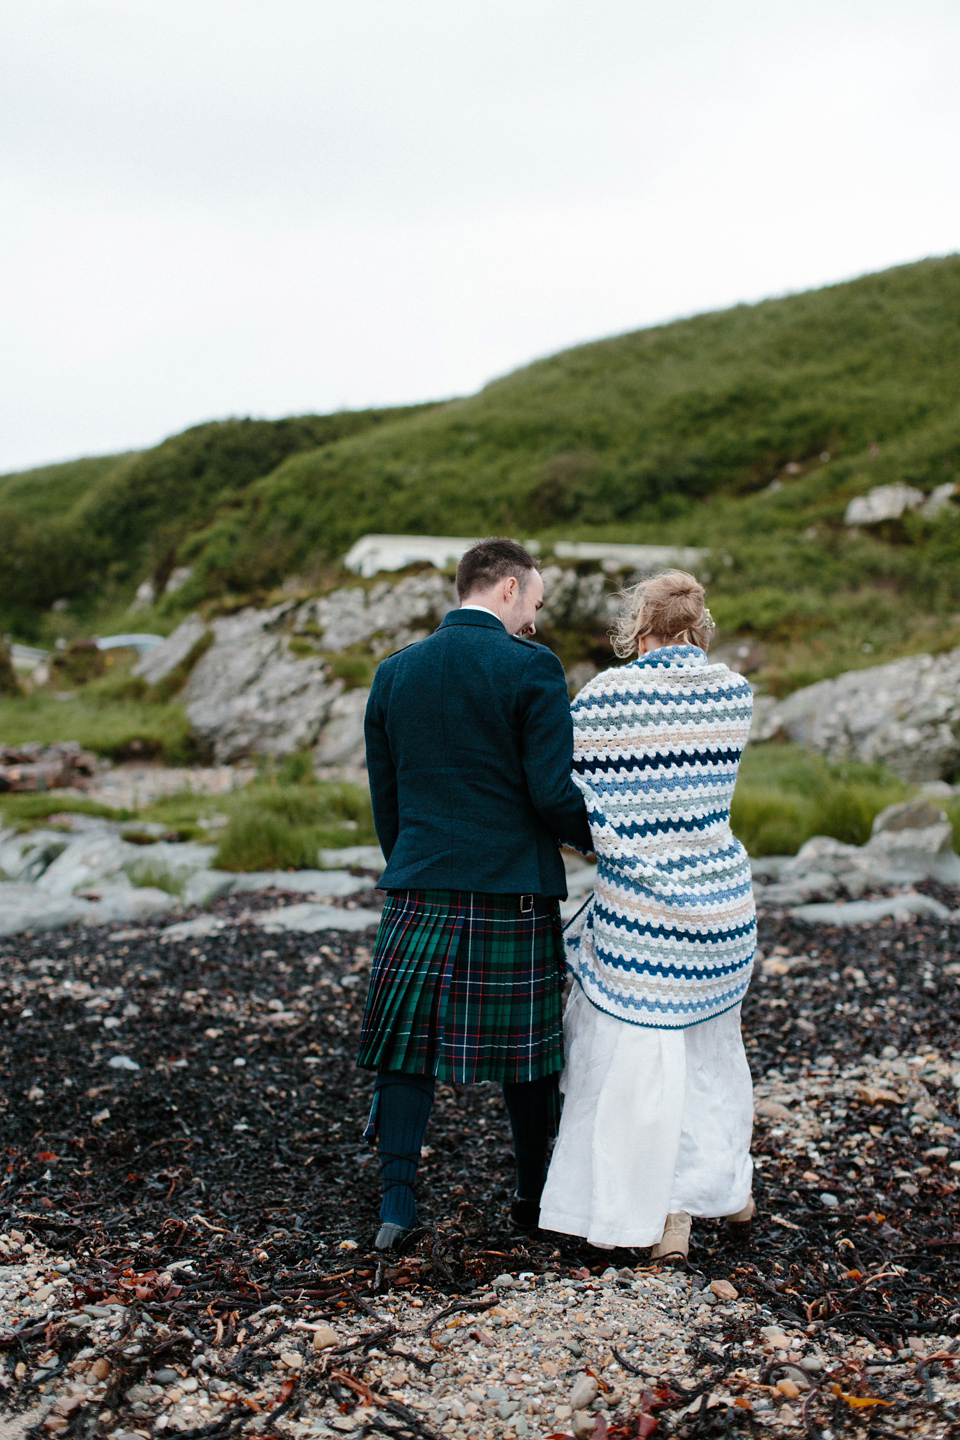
669,937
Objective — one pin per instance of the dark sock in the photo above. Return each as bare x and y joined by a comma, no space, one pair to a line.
403,1109
533,1108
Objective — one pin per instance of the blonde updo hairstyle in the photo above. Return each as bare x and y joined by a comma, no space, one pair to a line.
670,607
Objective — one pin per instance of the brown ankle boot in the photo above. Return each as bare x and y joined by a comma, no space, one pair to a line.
742,1223
676,1236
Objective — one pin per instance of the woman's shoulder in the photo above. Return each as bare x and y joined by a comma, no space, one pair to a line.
605,685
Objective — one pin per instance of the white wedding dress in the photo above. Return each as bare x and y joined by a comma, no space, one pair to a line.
654,1121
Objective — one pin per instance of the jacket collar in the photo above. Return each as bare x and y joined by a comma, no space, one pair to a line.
473,617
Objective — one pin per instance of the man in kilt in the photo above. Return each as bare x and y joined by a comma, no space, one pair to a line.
469,750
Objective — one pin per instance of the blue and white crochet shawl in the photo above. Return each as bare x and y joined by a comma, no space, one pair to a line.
669,937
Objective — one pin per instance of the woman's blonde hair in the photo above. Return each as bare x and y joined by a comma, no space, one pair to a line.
670,607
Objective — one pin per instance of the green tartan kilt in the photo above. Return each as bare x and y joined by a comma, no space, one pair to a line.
465,987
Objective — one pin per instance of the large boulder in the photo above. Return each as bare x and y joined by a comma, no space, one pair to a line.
906,714
249,694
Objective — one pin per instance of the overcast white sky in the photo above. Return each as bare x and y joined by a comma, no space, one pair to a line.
230,207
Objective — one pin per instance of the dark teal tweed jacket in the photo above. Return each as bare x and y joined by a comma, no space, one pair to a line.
469,752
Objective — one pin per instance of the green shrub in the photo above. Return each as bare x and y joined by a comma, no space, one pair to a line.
785,795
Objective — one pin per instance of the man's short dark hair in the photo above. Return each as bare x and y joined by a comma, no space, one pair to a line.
491,560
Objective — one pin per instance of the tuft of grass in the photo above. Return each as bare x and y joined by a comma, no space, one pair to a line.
120,729
282,826
786,794
31,809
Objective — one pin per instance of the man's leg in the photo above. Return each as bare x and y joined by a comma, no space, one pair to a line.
403,1109
533,1108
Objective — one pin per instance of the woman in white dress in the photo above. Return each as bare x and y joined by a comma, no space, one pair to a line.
658,1099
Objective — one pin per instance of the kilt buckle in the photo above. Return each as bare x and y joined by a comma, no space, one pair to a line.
526,904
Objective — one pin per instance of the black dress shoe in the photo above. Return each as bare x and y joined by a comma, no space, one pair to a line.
525,1215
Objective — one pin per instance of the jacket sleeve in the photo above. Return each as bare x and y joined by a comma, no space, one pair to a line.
547,750
381,770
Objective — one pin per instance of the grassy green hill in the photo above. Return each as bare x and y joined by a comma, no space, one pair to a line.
747,431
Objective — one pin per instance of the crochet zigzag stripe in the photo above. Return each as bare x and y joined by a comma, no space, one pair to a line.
669,937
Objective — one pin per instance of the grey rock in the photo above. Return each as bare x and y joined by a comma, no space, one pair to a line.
122,1062
830,1201
386,617
330,883
506,1408
165,1377
189,929
341,742
308,919
364,857
585,1391
883,502
570,599
866,912
250,695
938,500
905,714
910,841
28,907
26,857
88,859
159,662
169,864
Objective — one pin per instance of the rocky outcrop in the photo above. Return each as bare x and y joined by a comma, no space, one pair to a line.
906,714
571,600
910,842
250,695
265,685
385,618
81,870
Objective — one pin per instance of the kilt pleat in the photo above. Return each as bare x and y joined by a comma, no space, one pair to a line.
466,988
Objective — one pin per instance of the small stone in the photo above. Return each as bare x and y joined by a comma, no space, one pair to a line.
789,1388
549,1368
724,1290
55,1423
291,1359
142,1393
122,1062
830,1201
563,1412
584,1424
504,1282
585,1390
773,1334
787,1416
812,1363
165,1377
100,1368
323,1337
67,1404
